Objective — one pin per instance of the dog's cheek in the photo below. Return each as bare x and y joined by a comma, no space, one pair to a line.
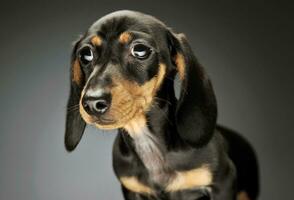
149,89
122,102
130,100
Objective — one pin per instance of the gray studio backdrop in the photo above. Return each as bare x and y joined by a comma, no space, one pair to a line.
247,48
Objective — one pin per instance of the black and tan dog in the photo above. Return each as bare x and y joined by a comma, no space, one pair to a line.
122,77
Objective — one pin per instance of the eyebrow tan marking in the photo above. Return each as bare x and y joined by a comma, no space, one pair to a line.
133,184
77,72
190,179
125,37
180,62
242,196
96,40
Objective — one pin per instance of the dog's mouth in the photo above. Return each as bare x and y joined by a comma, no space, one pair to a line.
104,121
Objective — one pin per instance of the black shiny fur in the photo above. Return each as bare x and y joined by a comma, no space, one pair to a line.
185,129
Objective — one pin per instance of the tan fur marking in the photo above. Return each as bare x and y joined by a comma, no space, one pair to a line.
190,179
160,76
242,196
125,37
180,62
136,125
148,91
77,73
96,40
129,102
133,184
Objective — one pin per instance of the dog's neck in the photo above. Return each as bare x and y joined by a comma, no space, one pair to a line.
152,135
147,145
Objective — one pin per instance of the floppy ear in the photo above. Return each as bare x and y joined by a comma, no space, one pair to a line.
196,110
75,125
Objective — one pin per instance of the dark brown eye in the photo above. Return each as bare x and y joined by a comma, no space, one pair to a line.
140,51
86,56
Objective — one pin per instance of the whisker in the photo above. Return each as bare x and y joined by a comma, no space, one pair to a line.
73,109
73,106
161,99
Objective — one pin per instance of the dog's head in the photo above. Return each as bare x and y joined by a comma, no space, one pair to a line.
118,67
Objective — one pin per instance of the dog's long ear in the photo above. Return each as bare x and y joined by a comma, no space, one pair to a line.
75,125
196,110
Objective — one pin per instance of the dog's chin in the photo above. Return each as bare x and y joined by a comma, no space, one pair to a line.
101,122
104,122
108,126
109,121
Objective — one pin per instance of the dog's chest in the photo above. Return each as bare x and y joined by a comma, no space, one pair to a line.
161,169
152,157
162,177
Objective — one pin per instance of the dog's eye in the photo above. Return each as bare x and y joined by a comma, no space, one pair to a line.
140,51
86,56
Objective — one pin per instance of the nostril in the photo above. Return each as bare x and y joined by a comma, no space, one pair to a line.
85,105
96,105
101,105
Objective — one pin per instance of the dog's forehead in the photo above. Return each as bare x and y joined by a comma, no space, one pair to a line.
120,21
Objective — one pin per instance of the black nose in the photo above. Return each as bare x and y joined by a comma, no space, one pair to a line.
96,105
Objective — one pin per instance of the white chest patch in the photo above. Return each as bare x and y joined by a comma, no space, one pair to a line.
148,149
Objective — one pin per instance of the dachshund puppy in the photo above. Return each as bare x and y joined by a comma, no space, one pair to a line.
122,77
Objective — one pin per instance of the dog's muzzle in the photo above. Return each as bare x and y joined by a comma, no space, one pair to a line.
96,104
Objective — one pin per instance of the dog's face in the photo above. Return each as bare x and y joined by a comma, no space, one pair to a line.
120,63
118,67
